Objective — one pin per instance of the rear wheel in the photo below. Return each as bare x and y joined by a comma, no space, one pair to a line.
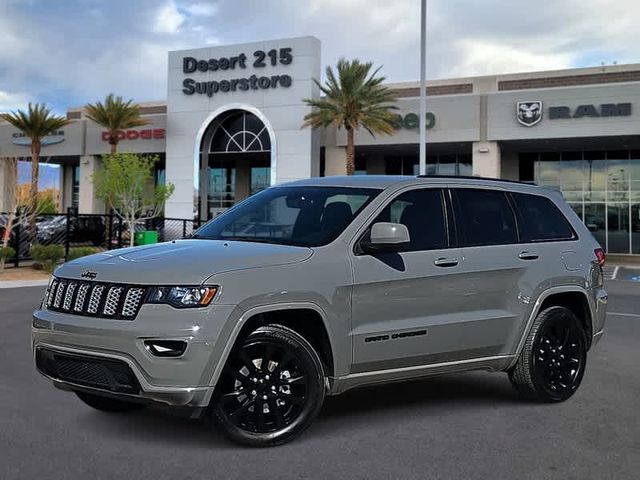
553,360
107,404
271,389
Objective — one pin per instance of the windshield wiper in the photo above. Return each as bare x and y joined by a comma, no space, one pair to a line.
253,239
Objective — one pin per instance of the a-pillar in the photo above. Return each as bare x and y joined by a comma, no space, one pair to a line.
87,200
486,159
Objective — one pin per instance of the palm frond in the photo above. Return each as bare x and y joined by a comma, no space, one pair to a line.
353,96
115,114
37,122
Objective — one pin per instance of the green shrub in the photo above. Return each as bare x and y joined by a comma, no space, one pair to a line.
47,256
7,252
77,252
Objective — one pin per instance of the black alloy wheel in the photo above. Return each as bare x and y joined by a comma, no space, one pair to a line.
554,357
271,389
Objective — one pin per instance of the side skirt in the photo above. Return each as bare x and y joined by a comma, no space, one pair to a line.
347,382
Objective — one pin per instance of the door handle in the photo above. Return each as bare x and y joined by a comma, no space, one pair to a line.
528,255
446,262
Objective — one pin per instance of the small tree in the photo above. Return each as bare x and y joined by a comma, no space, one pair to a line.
18,206
115,115
354,98
125,183
12,201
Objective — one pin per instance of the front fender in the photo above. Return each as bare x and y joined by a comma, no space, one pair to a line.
239,318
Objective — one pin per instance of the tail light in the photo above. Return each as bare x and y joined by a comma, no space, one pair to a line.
600,256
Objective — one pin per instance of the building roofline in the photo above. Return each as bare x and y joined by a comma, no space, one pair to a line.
479,84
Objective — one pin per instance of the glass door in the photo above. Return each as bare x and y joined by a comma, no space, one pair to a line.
618,234
222,189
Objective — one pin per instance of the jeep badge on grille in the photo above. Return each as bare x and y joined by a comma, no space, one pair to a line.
89,274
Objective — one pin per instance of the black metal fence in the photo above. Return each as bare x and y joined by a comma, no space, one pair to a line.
103,232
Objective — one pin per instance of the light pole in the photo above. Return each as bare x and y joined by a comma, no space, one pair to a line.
423,88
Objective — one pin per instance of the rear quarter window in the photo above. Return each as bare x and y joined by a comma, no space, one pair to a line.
540,220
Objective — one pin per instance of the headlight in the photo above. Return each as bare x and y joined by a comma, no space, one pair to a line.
183,297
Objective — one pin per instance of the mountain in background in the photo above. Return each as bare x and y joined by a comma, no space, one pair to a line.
49,175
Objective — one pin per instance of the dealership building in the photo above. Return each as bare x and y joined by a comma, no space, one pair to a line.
231,126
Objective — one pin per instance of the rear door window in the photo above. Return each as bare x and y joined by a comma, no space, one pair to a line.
483,217
540,219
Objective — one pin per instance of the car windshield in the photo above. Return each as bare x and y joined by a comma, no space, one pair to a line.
301,216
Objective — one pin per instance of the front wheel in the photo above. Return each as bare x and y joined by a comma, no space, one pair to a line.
271,389
552,363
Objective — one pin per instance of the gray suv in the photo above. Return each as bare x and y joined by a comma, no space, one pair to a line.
319,286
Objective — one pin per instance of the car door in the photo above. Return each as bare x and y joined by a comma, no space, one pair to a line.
403,303
496,268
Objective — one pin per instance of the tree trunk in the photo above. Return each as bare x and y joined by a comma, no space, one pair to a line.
113,141
132,232
33,191
351,163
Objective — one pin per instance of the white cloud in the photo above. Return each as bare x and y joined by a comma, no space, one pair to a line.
13,101
484,58
212,41
202,9
69,55
168,19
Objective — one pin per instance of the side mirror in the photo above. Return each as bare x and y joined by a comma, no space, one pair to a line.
386,237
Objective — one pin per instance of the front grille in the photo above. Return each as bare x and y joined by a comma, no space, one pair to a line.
95,372
95,299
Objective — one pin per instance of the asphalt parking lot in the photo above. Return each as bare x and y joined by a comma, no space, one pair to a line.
468,426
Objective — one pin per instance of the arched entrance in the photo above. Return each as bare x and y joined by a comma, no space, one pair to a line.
235,160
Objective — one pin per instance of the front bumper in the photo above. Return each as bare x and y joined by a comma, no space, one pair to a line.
180,381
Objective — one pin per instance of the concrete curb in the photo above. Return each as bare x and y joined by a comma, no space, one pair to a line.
23,283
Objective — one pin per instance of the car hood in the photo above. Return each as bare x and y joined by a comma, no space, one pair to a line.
187,262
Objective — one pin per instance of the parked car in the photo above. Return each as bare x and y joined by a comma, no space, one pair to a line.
370,280
82,229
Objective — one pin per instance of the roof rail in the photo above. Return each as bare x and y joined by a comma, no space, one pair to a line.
469,177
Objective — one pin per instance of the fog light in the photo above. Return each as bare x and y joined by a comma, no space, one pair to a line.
166,348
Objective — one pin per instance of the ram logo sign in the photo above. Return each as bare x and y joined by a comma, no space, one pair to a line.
529,113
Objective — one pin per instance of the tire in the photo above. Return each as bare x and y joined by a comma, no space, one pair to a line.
552,362
107,404
274,368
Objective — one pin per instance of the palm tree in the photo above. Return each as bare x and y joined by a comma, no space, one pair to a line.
356,98
115,115
36,123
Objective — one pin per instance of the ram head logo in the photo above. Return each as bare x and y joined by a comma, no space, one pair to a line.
529,113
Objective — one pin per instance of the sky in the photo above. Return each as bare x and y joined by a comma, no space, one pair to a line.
70,52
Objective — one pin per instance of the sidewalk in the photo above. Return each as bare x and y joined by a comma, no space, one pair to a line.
23,283
23,277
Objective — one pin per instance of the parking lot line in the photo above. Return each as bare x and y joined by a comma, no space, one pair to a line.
620,314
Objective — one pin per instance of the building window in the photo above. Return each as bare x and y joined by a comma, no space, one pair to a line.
236,156
602,187
160,176
75,189
360,162
454,164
